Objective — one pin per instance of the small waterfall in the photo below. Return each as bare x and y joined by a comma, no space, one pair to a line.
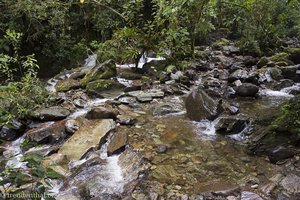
206,129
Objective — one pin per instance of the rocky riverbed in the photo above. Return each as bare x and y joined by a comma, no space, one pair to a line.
161,132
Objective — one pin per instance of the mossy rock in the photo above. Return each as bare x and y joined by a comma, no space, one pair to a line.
220,43
262,62
98,86
67,84
276,73
283,56
105,70
200,54
294,55
171,68
288,118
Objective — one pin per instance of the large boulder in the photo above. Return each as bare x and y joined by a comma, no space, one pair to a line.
49,132
101,87
247,90
87,137
51,113
102,113
67,84
201,106
105,70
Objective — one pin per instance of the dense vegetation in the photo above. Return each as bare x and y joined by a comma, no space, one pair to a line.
41,38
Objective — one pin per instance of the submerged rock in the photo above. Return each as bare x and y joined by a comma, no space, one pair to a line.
88,136
51,114
200,106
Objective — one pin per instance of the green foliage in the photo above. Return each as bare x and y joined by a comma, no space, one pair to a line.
288,118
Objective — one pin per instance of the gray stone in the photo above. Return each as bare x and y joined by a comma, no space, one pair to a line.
117,143
200,106
12,131
291,183
231,124
245,195
102,113
167,108
247,90
280,153
51,114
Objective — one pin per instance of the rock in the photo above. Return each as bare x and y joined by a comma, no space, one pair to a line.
217,187
51,114
294,55
49,132
126,120
79,103
165,173
167,108
200,106
229,92
267,189
129,74
12,130
117,143
90,135
291,183
245,195
105,70
72,126
127,100
220,43
231,49
280,153
233,110
231,125
161,148
263,61
283,84
247,90
239,74
102,87
146,96
276,73
290,72
67,84
102,113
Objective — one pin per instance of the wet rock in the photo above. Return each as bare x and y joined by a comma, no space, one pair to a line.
217,187
280,153
294,55
105,70
51,114
127,100
102,113
125,120
233,110
129,74
43,150
167,108
229,92
267,189
247,90
239,74
12,131
79,103
245,195
177,75
276,73
291,183
49,132
117,143
290,72
200,106
104,88
88,136
161,148
72,126
283,84
231,124
146,96
67,84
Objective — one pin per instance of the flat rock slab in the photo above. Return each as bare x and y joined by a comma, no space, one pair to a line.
88,136
118,142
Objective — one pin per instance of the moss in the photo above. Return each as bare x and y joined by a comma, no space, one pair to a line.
96,87
288,119
276,73
262,62
220,43
106,70
283,56
170,68
67,85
